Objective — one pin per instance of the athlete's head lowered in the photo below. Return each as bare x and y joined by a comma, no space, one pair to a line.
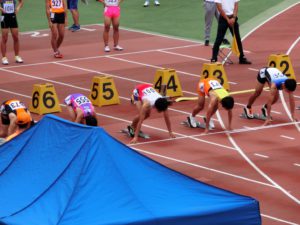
227,102
91,121
161,104
290,84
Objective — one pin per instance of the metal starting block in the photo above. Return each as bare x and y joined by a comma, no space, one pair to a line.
199,125
255,116
141,134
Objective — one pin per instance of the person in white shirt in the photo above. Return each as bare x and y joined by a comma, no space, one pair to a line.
228,10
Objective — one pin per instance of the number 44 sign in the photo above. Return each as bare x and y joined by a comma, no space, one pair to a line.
44,99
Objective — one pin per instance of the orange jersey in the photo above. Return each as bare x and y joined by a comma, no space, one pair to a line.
207,85
57,6
14,106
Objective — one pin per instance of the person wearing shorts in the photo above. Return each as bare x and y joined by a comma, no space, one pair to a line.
81,109
10,110
56,12
10,9
111,15
276,81
216,94
145,97
73,8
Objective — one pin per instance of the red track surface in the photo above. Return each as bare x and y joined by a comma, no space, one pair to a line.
213,158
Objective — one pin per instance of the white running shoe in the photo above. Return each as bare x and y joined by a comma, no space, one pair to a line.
118,48
146,4
248,113
211,123
18,59
192,121
5,61
106,48
156,3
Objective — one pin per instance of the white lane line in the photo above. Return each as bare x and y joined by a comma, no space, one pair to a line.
100,56
279,220
183,55
260,155
297,164
287,137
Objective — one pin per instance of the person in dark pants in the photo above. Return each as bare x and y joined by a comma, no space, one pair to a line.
228,19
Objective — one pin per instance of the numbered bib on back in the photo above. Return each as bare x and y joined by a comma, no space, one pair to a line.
111,2
16,105
81,100
214,84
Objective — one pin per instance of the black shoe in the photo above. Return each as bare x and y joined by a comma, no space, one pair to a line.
264,110
213,60
130,131
244,61
206,43
225,42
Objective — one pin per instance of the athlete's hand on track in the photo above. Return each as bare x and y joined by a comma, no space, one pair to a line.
134,140
267,122
172,135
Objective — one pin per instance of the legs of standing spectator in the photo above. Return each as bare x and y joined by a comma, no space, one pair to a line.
222,28
4,39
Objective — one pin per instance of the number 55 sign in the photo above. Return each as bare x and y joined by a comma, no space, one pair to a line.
103,91
44,99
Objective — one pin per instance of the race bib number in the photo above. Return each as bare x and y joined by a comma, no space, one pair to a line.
214,84
148,91
111,2
278,75
82,100
9,7
16,105
56,4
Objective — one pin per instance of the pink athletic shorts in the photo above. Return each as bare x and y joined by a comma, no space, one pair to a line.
112,11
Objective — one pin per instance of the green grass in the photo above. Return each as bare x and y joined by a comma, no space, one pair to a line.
174,17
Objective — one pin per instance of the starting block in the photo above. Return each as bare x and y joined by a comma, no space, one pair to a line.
141,134
255,116
199,125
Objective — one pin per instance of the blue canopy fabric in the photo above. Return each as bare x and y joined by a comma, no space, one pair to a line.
62,173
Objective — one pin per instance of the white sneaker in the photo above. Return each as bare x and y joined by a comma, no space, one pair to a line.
211,123
118,48
106,48
146,4
156,3
18,59
192,121
5,61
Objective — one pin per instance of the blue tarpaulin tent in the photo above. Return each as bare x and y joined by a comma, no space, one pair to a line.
62,173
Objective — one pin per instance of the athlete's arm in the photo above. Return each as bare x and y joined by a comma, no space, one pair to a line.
273,93
79,115
48,7
19,6
12,123
292,105
168,123
229,119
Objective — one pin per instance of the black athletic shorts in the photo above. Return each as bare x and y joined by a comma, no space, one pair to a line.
9,21
58,18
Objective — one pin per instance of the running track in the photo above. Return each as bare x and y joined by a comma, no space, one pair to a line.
262,162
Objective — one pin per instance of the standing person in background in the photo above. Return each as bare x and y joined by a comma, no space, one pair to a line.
228,10
211,11
111,14
73,8
147,3
9,11
56,12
